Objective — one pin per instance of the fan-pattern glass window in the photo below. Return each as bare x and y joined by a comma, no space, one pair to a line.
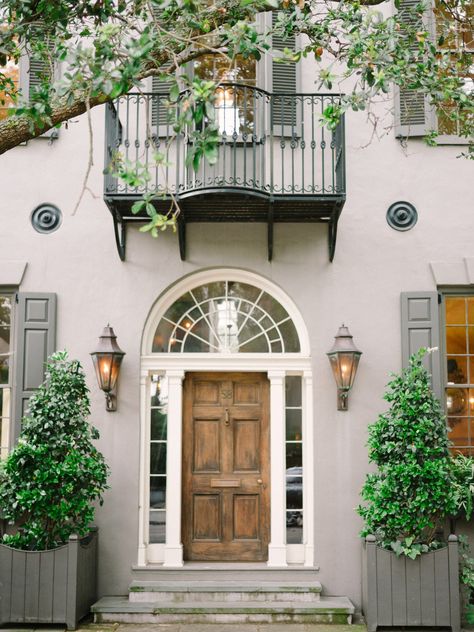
459,370
226,317
5,371
158,442
294,460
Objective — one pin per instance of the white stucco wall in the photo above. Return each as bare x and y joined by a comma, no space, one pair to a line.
361,288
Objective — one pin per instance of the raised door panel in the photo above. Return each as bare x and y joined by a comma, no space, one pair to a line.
206,449
246,444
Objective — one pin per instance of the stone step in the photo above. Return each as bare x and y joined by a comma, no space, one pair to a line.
337,610
229,571
224,591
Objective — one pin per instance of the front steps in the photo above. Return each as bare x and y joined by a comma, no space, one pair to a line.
237,600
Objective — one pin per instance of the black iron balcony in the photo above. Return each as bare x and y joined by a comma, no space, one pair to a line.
275,163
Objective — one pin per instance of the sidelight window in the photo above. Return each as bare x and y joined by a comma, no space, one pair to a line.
158,445
294,459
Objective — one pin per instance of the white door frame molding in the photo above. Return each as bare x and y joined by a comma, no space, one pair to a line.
174,366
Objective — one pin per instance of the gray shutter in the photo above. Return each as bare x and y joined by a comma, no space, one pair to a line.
412,113
420,328
36,70
283,81
159,108
35,324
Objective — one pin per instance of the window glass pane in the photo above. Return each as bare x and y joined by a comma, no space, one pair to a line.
162,337
455,311
456,340
290,337
157,526
11,71
157,492
293,425
294,492
457,370
158,458
294,455
211,290
294,527
3,370
293,390
457,401
158,425
159,390
470,310
459,433
5,311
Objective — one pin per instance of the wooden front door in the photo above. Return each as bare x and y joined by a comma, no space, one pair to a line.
226,466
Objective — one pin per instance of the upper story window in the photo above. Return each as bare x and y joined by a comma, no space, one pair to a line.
459,371
6,300
12,72
452,27
226,317
234,105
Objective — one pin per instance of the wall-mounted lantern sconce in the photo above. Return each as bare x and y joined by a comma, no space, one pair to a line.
344,359
107,360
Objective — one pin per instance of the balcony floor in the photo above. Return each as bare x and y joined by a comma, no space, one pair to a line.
214,205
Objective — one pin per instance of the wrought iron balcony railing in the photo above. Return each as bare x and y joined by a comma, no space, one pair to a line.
275,160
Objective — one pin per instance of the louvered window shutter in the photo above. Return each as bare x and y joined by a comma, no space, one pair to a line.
35,323
160,118
34,71
420,328
284,80
412,112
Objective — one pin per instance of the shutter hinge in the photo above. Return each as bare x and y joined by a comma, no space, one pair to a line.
440,298
16,298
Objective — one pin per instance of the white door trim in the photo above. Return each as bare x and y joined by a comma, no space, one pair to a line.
174,367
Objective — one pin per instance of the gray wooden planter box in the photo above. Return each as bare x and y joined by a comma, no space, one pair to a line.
398,591
57,586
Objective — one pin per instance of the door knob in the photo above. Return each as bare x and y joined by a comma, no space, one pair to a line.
259,481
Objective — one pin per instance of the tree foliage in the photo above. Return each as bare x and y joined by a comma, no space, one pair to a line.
410,494
51,478
107,47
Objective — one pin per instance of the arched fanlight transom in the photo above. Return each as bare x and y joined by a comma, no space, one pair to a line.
226,317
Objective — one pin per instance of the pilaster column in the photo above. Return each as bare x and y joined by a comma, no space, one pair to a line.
308,469
173,545
143,478
277,546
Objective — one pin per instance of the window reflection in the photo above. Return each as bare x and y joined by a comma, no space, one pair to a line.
158,445
294,459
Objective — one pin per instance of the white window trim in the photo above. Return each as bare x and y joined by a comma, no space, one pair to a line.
174,367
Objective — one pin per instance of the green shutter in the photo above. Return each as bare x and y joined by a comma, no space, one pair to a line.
420,328
411,107
35,324
283,81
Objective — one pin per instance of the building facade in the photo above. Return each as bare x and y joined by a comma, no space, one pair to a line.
227,445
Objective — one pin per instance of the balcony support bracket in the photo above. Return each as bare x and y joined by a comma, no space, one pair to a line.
270,224
182,235
332,236
120,235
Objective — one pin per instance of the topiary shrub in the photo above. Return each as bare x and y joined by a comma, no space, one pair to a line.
51,478
410,495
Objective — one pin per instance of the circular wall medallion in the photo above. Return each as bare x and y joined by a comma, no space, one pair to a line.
46,218
402,216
